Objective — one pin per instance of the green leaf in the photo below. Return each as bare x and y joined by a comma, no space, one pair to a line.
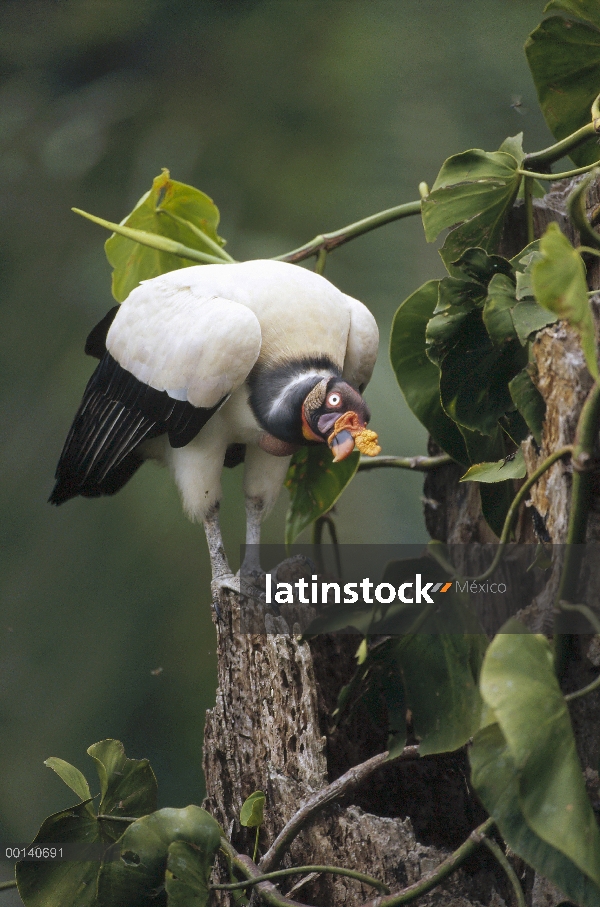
475,189
475,375
505,317
63,883
497,310
529,402
500,471
529,318
523,258
127,786
441,690
497,498
136,878
252,811
430,664
524,287
558,280
564,59
581,9
519,683
495,777
72,777
417,375
133,262
514,145
459,296
188,873
315,483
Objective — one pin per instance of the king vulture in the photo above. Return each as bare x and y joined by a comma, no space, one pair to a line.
214,364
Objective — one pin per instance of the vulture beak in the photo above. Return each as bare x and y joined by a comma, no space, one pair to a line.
350,431
341,444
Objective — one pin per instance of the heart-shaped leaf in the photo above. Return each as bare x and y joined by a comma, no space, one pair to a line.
138,874
252,811
417,375
189,868
558,281
475,375
64,883
475,189
315,483
564,59
495,778
519,684
127,786
133,262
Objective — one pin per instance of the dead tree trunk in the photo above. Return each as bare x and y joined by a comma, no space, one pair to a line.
269,729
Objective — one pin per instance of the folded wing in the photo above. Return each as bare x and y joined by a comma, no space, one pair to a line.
363,345
172,359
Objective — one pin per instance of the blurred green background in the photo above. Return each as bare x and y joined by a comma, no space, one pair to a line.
296,116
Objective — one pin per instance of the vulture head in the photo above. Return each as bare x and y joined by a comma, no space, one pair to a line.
335,413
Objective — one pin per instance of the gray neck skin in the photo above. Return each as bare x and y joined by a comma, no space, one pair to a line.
277,395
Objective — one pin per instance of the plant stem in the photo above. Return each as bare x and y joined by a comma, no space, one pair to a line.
576,209
129,819
271,896
528,203
300,870
584,691
216,248
255,852
504,863
321,261
154,240
510,517
587,429
317,535
246,867
329,241
4,886
582,609
560,149
559,176
432,879
418,463
338,788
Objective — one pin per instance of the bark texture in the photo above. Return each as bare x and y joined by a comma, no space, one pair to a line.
266,733
269,729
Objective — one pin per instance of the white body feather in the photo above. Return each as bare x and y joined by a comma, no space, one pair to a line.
198,332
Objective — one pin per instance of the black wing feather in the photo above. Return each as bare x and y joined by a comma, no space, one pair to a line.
116,414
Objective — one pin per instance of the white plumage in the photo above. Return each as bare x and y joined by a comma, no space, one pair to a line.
237,348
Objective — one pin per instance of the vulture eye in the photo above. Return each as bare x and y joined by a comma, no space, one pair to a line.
334,400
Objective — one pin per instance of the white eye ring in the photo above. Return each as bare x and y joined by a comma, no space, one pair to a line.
334,400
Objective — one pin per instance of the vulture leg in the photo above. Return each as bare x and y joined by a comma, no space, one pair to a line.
222,577
264,475
255,511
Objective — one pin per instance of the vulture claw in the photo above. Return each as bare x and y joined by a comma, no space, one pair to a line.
227,581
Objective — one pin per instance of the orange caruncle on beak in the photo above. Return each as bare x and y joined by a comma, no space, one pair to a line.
356,435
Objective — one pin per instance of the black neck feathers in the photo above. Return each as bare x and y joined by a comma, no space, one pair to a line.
277,394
